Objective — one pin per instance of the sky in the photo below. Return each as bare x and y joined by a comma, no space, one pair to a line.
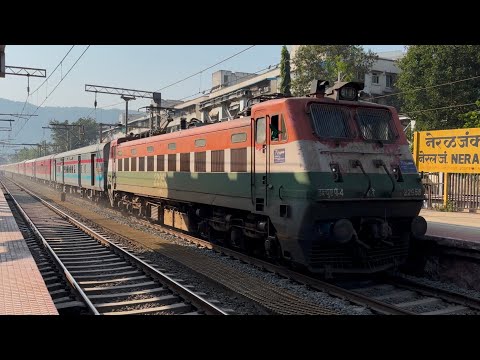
139,67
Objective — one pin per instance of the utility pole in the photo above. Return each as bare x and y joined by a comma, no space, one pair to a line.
125,94
101,128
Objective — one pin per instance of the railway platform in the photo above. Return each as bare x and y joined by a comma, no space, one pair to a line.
22,289
457,228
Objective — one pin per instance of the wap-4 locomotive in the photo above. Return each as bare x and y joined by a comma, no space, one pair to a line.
325,181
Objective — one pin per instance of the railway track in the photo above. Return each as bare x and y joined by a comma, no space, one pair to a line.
415,297
105,277
384,297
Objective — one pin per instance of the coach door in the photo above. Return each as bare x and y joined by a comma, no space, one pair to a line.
260,160
79,170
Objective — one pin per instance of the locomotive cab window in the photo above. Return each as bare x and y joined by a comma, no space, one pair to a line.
376,124
277,128
331,121
260,135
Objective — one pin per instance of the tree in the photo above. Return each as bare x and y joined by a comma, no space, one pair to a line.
430,65
285,72
472,118
329,62
83,133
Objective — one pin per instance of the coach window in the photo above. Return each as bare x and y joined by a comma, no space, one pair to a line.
260,131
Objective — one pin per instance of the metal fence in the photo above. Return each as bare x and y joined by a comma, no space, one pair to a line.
461,191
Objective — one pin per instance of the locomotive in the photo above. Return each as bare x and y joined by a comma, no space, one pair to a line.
324,182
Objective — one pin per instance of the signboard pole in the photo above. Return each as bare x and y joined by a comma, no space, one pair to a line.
445,187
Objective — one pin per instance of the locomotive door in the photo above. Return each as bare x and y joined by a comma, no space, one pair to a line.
260,160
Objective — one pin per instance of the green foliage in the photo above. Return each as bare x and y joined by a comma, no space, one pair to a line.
85,132
285,72
430,65
471,118
448,207
329,62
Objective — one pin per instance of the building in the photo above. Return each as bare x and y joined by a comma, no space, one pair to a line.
381,78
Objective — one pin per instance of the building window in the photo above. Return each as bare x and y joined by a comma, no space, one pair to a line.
390,79
375,78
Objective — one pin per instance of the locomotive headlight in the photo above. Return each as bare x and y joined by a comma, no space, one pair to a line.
343,231
348,93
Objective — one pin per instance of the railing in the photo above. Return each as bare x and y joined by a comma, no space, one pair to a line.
462,191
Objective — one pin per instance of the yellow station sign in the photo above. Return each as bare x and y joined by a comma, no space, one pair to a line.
454,151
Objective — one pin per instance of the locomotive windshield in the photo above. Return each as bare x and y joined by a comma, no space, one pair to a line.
330,121
333,121
375,124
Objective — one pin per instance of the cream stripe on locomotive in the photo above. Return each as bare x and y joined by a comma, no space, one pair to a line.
296,156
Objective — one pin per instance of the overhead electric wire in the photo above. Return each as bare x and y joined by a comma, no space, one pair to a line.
201,71
33,92
53,89
423,88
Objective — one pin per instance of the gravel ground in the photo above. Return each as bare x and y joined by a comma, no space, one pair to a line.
227,299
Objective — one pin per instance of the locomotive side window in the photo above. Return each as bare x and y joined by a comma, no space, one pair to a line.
331,121
172,162
201,161
260,135
376,124
274,128
134,164
200,142
218,160
149,149
238,160
119,165
141,164
160,162
239,137
126,164
150,163
283,133
277,128
185,162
